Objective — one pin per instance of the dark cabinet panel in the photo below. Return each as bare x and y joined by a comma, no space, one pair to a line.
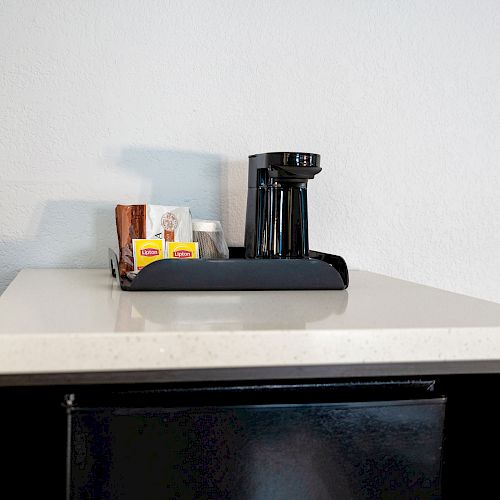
33,444
357,450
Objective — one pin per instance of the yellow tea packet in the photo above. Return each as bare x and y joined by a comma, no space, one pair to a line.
146,251
182,250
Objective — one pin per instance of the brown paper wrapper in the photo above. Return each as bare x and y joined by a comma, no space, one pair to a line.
130,224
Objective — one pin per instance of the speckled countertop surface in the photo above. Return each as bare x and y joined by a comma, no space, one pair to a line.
56,321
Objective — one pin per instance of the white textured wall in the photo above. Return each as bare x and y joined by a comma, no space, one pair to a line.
141,100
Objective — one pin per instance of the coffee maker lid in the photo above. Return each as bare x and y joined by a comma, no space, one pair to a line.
291,159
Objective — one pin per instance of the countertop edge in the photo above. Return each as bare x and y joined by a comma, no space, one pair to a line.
254,373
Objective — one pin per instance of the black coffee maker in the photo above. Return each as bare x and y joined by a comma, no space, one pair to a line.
276,220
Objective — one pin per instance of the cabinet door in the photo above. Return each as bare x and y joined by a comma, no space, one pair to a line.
357,450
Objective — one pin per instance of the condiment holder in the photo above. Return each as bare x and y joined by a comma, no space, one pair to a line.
276,255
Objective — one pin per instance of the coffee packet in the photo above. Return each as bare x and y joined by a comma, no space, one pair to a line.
169,223
130,225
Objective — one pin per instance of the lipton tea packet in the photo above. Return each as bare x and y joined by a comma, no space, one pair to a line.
146,251
182,250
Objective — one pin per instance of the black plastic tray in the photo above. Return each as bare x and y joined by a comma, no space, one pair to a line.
319,272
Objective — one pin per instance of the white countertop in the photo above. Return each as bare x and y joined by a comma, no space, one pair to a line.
67,321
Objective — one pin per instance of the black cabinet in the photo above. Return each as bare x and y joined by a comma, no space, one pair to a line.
318,441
